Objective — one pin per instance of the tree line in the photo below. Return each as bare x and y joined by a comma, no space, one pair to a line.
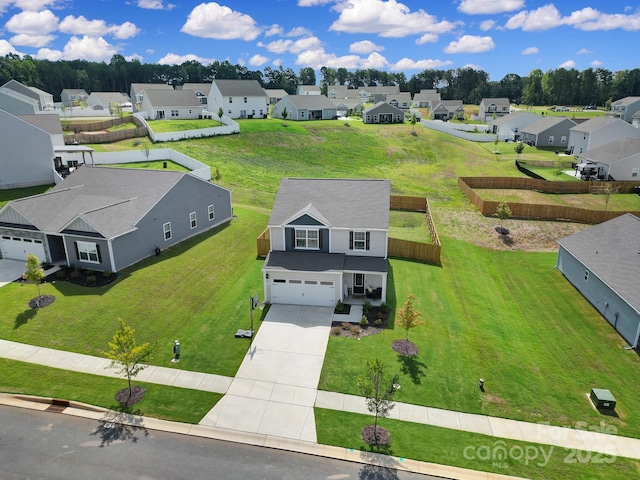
560,86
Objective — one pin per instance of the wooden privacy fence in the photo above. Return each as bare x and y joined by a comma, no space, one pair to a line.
105,137
103,125
545,186
541,212
424,252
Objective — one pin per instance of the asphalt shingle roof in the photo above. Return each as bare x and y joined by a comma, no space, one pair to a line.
345,203
240,88
310,102
545,123
173,98
611,250
323,262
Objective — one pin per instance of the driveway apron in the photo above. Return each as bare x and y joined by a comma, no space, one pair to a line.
10,270
275,388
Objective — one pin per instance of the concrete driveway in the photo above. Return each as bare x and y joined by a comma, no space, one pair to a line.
10,270
275,388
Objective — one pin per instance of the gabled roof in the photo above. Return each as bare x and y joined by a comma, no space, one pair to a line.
140,87
400,97
240,88
49,122
382,106
111,97
545,123
448,104
308,88
111,200
612,252
75,91
202,88
495,101
596,123
384,89
275,92
344,203
347,102
173,98
613,151
514,116
310,102
625,101
426,96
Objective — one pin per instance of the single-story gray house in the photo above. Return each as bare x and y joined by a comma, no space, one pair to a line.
603,264
103,218
73,96
617,160
447,109
105,100
305,107
511,126
171,104
382,112
547,131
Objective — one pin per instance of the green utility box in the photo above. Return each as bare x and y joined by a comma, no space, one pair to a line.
602,399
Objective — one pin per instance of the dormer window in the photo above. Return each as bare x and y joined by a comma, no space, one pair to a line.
307,239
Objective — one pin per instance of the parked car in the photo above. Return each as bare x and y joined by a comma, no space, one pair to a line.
589,107
562,109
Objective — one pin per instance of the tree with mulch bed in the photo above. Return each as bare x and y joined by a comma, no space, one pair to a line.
128,358
503,213
34,273
378,389
408,317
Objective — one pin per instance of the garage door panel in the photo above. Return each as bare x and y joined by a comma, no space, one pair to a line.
303,292
16,248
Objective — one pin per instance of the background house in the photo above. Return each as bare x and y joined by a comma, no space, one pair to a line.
382,112
510,126
274,95
109,218
425,98
238,98
342,92
171,104
617,160
305,107
400,100
447,109
328,241
601,262
596,132
548,132
493,108
201,90
31,161
625,108
72,97
106,100
18,99
136,92
308,90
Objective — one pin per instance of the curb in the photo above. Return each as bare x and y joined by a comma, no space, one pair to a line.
83,410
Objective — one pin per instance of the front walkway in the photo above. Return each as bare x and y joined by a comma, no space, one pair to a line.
275,388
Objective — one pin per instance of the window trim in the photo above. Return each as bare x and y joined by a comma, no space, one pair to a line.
88,249
193,220
166,230
306,239
359,243
212,212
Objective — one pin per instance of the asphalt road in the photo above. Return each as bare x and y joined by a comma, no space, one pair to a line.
42,445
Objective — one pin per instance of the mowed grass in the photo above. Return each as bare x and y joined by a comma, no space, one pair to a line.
151,165
617,201
163,126
6,195
411,226
471,450
510,318
196,292
160,401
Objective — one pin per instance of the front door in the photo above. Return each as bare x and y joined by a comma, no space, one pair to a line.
358,283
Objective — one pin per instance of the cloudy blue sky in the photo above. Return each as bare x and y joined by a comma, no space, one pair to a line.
498,36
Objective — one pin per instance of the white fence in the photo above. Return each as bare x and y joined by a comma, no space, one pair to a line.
73,112
457,131
230,127
197,168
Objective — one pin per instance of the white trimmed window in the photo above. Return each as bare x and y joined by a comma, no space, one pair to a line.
88,252
307,239
166,228
211,212
634,172
359,240
551,138
192,220
174,113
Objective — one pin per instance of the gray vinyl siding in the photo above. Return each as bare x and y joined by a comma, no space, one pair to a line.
16,106
75,261
616,311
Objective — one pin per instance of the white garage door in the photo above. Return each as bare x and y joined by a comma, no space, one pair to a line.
16,248
303,292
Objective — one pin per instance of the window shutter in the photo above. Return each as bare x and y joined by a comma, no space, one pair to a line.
350,240
75,245
293,238
98,250
320,235
368,235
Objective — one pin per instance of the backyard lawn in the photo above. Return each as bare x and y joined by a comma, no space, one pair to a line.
617,201
151,165
411,226
163,126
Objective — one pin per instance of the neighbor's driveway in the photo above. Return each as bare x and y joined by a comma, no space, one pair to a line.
10,270
275,388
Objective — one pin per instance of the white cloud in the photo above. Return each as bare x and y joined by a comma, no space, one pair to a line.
33,5
258,60
48,54
155,5
364,47
409,64
487,25
36,41
211,20
6,48
313,3
484,7
470,44
427,38
96,28
583,51
299,32
135,56
530,51
33,23
318,58
88,48
387,19
150,51
567,64
292,46
274,29
374,61
175,59
277,62
596,63
587,19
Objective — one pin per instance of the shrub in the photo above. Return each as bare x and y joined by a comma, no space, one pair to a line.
335,331
366,308
90,272
384,308
364,321
61,274
339,306
355,329
380,315
91,279
106,273
75,273
346,325
377,322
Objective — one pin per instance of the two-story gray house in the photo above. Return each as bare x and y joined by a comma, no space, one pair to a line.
109,218
625,108
328,241
493,108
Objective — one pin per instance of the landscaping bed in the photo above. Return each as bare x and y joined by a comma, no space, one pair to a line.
361,329
82,277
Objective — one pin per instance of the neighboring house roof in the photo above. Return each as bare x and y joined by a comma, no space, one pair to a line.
613,151
111,97
342,203
512,117
139,87
610,251
173,98
48,122
626,101
400,97
276,92
346,102
202,88
385,89
310,102
544,124
448,104
308,88
385,106
111,200
496,101
594,124
426,96
75,91
240,88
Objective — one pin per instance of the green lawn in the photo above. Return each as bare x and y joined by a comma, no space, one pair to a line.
550,173
163,126
617,201
6,195
411,226
510,318
472,450
152,165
